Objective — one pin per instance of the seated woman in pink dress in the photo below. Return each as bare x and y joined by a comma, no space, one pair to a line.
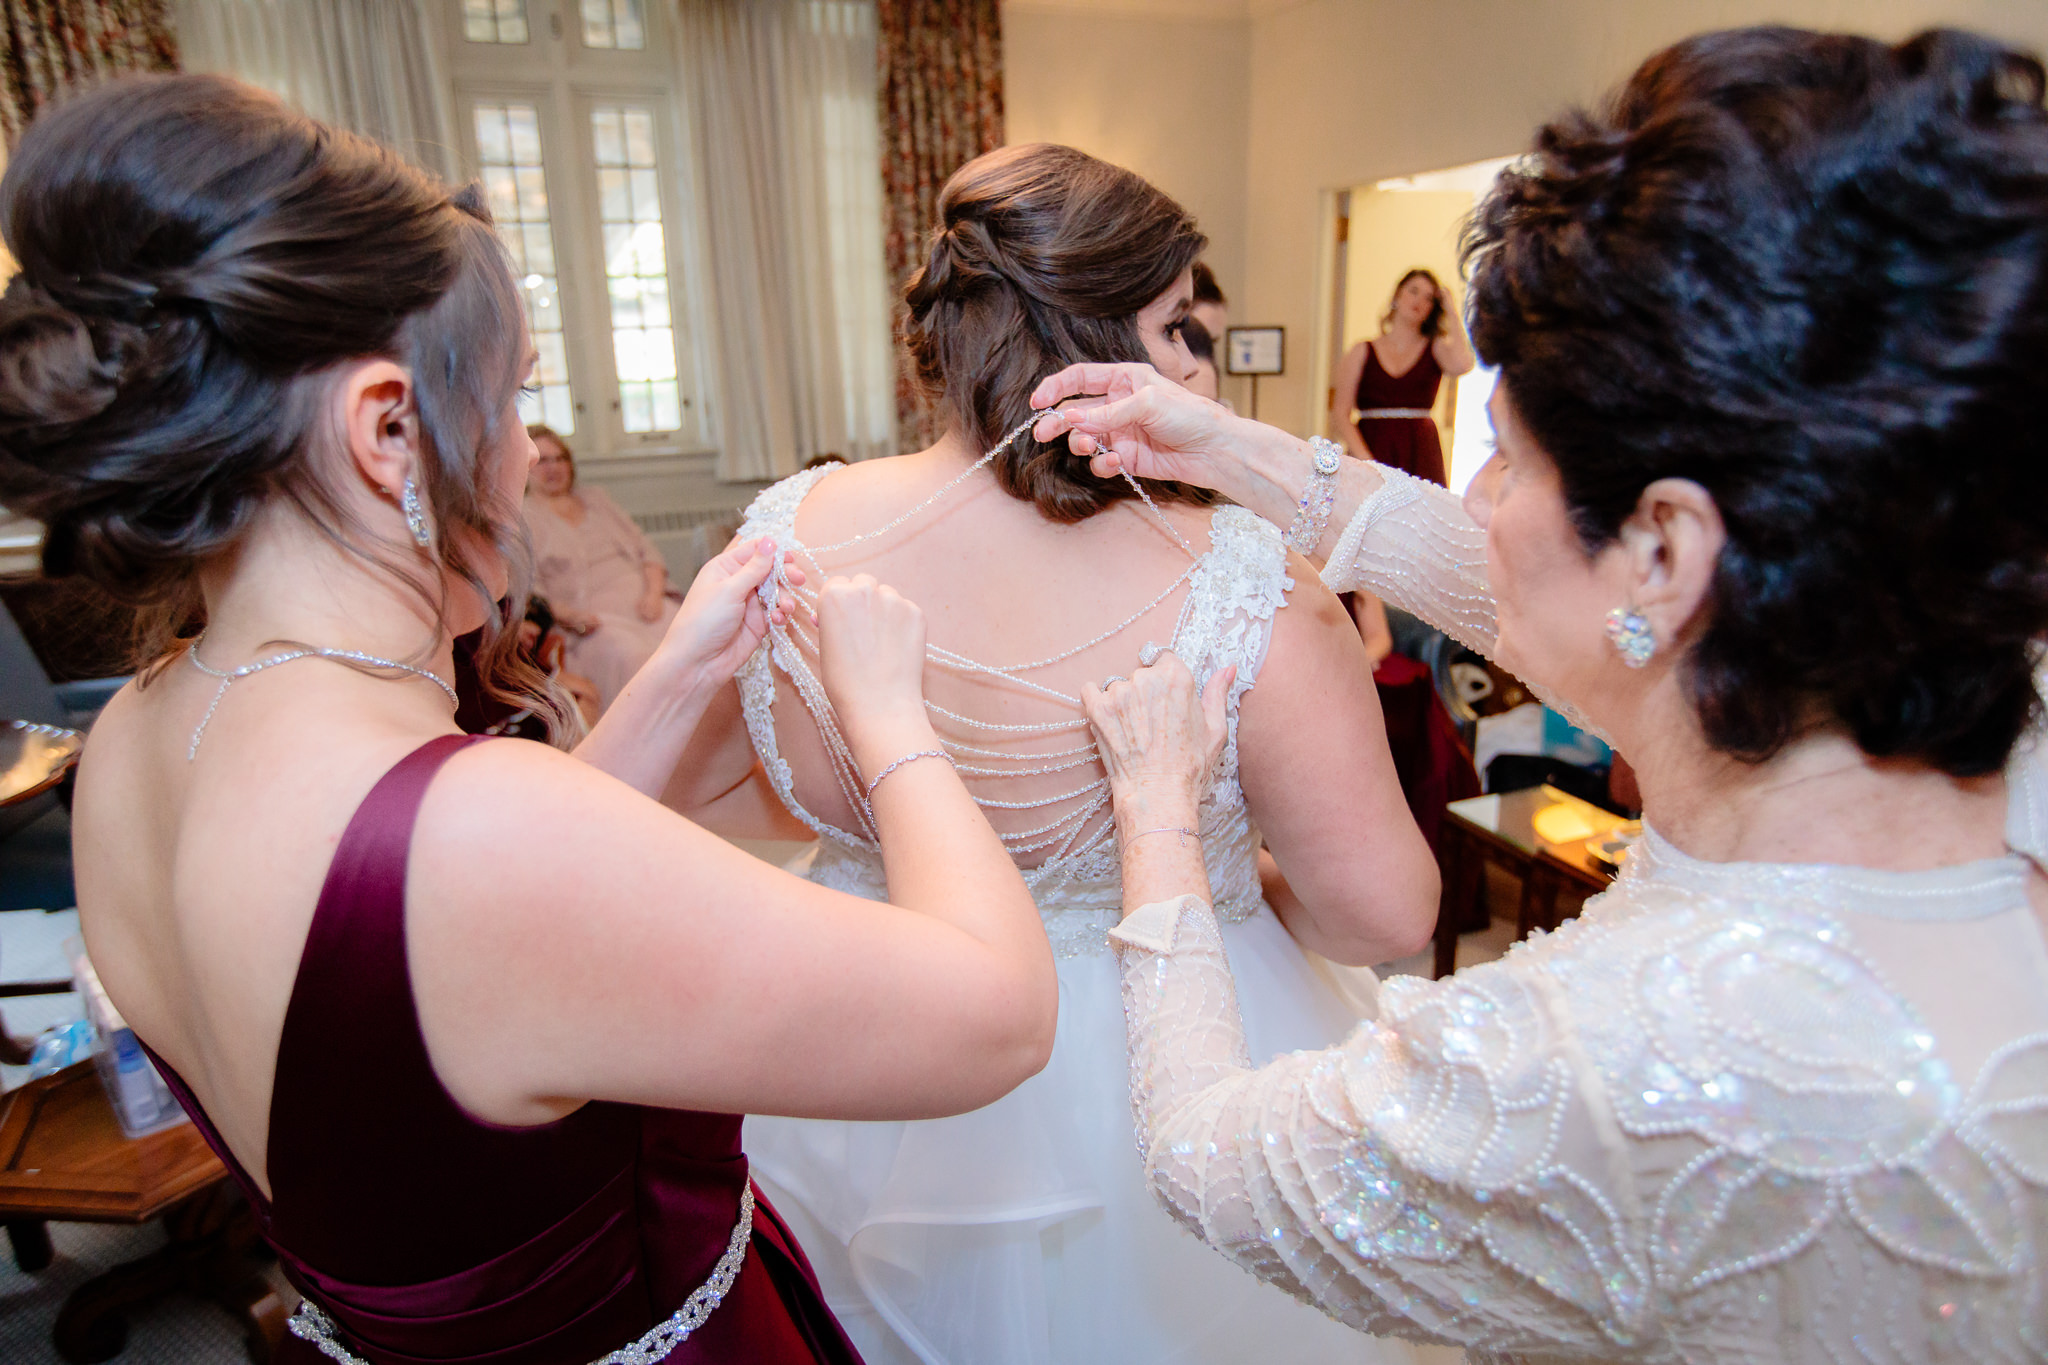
604,579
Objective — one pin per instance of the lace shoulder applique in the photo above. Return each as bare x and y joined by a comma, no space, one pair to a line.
1236,590
773,513
773,510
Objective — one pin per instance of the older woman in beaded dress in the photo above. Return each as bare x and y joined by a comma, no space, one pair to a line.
1767,509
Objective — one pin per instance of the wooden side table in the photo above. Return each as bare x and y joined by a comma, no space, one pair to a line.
64,1158
1501,829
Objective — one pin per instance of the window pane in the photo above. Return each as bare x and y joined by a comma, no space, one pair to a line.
614,196
646,197
614,24
632,33
639,137
551,365
654,302
626,303
636,266
501,190
668,405
515,181
637,406
525,139
540,248
560,411
493,142
608,127
649,260
494,21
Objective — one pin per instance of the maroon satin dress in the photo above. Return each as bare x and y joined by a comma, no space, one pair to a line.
1407,443
428,1235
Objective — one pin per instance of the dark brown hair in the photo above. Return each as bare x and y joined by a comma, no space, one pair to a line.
1043,257
1432,324
196,260
1206,288
1808,272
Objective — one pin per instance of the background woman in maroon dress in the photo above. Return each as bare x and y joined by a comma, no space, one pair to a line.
471,1020
1391,381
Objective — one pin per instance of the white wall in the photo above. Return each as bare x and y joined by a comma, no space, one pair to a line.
1311,96
1164,91
1345,92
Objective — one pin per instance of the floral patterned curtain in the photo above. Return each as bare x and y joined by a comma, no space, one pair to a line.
47,45
941,106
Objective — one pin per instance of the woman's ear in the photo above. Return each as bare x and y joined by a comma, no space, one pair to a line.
1673,541
380,423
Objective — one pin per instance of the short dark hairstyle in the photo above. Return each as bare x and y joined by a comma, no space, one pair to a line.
1809,272
1043,257
195,260
1206,288
1200,344
1432,324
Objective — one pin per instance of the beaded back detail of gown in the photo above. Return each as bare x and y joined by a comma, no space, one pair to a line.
1063,841
1021,1233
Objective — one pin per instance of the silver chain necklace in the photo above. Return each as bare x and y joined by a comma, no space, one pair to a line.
229,677
1064,834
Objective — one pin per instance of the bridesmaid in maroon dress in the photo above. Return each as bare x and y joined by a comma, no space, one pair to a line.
1391,381
471,1021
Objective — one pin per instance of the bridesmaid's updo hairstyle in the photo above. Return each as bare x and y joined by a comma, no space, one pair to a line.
1810,273
196,262
1042,258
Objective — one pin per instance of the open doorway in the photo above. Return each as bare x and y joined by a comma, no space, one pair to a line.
1380,232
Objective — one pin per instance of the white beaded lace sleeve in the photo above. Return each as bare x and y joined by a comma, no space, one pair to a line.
1439,1175
1412,545
1734,1114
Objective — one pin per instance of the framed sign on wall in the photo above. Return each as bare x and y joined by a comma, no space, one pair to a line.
1255,351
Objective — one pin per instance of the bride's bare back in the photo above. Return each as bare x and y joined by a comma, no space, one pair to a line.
1003,585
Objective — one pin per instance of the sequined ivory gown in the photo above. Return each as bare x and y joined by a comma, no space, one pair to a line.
1022,1233
1735,1112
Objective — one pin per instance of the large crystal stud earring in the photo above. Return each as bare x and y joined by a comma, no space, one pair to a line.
415,514
1629,631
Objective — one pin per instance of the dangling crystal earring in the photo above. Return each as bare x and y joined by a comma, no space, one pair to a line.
415,515
1629,631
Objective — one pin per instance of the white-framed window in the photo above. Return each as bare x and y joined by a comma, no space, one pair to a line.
576,136
509,155
616,24
494,21
636,266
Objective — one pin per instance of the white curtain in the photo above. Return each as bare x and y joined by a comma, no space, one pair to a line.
782,97
373,66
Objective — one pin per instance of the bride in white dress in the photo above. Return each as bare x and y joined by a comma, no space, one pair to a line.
1022,1234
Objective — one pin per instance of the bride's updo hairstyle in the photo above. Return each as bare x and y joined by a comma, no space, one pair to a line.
1810,273
1042,258
197,262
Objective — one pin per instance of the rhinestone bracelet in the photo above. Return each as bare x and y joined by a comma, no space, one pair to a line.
907,758
1312,514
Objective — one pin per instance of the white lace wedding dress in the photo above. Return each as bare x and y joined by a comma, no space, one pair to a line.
1022,1233
1733,1113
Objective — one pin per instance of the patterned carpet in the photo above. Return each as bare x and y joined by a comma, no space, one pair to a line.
176,1330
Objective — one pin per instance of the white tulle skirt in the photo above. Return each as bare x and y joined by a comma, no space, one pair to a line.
1023,1233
